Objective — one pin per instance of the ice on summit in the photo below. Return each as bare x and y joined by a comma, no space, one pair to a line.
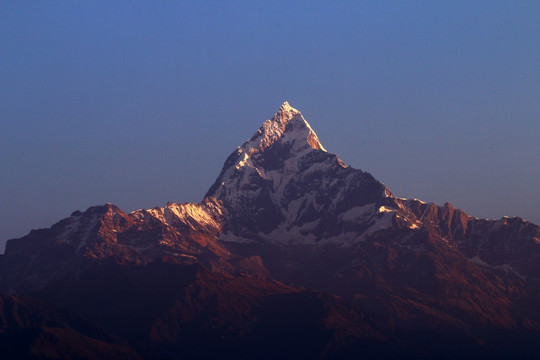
288,125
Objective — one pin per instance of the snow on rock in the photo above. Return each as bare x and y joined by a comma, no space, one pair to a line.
357,212
384,209
299,133
206,214
80,229
505,268
381,223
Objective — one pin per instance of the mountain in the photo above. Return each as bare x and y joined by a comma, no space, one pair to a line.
284,216
283,183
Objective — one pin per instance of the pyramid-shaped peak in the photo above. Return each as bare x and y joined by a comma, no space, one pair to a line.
287,125
285,113
280,142
287,107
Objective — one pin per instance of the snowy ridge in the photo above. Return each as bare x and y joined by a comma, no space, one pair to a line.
206,214
80,229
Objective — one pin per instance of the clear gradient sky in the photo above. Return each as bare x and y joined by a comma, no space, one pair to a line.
140,102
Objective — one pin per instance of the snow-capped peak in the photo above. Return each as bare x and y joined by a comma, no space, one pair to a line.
287,126
277,145
285,113
283,177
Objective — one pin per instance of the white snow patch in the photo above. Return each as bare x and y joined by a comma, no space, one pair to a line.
294,235
242,162
356,212
384,209
69,231
230,237
205,214
83,237
382,223
505,267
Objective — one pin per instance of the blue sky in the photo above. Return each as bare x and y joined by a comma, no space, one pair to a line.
139,103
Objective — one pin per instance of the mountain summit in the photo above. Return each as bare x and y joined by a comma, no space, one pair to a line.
282,177
288,126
